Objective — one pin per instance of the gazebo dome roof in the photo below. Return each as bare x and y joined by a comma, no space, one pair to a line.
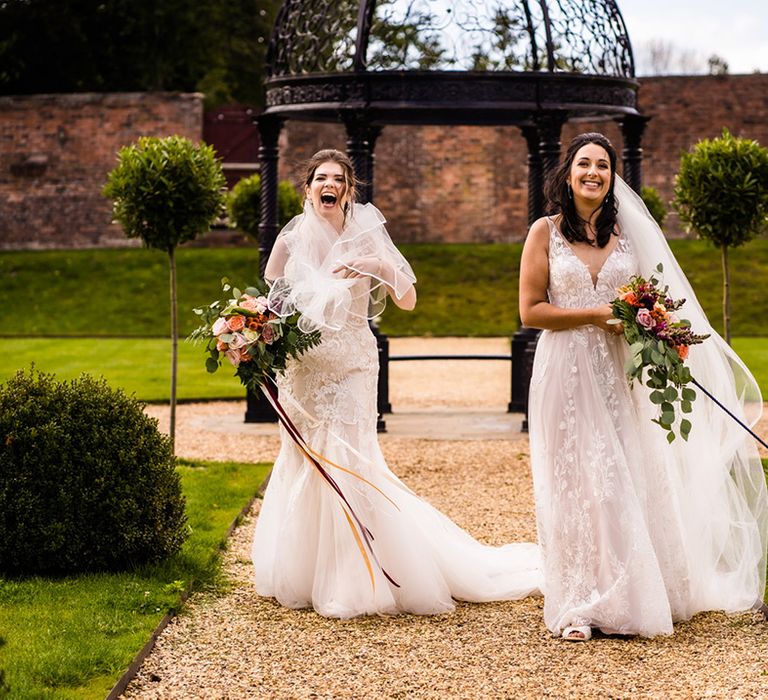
474,61
556,36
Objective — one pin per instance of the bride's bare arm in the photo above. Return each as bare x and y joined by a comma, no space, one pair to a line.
535,309
276,263
381,270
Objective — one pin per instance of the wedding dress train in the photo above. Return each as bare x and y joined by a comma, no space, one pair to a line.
306,551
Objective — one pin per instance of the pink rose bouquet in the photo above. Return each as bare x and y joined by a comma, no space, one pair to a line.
255,340
658,343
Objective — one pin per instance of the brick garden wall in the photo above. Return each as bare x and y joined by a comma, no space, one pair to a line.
433,183
56,151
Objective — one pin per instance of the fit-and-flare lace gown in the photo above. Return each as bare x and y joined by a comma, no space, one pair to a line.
631,530
304,551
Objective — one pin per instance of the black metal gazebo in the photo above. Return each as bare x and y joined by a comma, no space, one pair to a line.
534,64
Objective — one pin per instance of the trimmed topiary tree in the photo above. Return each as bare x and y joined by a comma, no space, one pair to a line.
166,191
244,205
87,481
721,193
652,199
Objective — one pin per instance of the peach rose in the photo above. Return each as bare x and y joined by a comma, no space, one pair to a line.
221,346
244,356
236,323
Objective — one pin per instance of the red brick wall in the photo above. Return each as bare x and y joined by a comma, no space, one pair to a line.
56,151
686,109
434,183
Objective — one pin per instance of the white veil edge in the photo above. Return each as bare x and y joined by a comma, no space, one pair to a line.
722,485
313,250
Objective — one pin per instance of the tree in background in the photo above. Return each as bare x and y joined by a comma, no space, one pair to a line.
217,47
656,208
166,191
721,193
244,205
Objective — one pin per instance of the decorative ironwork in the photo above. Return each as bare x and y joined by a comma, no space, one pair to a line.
574,36
314,36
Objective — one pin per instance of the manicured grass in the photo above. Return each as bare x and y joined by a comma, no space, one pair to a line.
141,365
464,290
72,637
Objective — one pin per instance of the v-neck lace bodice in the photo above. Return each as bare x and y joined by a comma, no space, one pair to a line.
570,281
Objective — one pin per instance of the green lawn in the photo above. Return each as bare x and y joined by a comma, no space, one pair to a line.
72,637
465,290
141,365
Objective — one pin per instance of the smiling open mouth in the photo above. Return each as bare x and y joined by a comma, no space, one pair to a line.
328,198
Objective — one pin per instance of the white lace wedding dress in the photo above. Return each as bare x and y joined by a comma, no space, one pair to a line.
305,550
634,533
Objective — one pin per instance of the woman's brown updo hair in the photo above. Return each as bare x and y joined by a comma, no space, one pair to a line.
560,200
331,155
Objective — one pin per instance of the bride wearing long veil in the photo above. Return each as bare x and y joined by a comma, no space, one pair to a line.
380,549
635,533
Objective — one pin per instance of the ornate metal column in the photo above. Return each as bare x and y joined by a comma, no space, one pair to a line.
361,141
632,128
258,409
535,174
543,141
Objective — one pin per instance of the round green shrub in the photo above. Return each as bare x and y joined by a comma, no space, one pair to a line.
655,204
87,482
244,204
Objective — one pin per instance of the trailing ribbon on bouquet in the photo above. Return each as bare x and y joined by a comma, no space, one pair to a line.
362,535
740,422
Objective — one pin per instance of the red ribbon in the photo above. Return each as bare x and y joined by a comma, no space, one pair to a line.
296,436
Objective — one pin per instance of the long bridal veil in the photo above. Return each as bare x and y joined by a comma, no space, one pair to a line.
721,485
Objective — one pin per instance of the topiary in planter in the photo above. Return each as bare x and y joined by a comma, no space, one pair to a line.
87,482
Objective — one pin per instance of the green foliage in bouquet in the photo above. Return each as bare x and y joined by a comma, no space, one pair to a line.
244,205
255,340
721,193
87,482
658,344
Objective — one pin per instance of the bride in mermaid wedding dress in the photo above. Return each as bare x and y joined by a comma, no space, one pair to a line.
635,533
336,265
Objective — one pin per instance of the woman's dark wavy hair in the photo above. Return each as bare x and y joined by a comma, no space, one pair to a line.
560,201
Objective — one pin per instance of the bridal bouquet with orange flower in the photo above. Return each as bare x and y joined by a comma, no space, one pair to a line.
659,342
255,340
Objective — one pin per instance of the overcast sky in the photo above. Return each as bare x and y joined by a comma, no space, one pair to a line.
736,30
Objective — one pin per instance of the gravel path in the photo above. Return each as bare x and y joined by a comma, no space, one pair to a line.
239,645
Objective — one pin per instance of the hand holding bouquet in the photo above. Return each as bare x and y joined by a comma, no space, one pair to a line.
250,335
659,342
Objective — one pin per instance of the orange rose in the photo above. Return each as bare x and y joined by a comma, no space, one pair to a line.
682,350
236,323
221,346
244,356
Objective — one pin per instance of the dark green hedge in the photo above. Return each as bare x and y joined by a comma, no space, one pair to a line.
87,482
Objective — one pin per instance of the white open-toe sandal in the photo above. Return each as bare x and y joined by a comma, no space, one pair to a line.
573,634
